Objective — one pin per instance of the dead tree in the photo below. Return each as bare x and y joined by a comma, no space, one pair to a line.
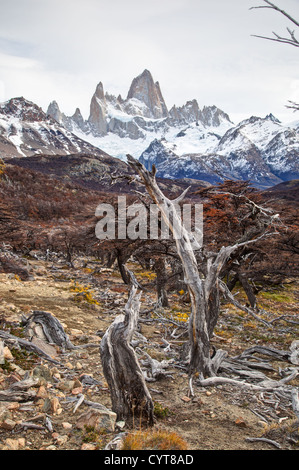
52,330
129,393
204,290
161,280
291,38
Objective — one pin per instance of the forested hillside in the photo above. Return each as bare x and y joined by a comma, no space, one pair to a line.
61,288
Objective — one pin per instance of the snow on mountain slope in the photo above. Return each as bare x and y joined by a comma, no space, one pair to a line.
120,126
183,142
193,138
282,154
261,150
26,130
261,131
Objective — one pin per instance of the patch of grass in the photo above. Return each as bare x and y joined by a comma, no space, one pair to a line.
224,333
6,366
277,297
91,435
175,314
250,324
160,411
149,275
154,440
287,431
24,359
83,293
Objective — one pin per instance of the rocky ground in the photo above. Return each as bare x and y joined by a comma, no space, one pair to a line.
56,409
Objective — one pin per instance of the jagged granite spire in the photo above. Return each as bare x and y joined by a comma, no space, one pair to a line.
146,91
54,112
98,111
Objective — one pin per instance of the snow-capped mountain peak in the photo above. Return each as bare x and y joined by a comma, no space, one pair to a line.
120,126
186,141
261,150
26,130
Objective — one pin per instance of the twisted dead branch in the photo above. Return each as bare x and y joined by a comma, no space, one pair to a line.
204,292
291,39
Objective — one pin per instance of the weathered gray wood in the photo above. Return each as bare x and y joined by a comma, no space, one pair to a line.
229,296
24,384
198,324
79,402
263,386
2,360
18,391
27,345
266,351
294,356
204,292
52,328
295,402
242,369
27,425
157,368
263,439
129,394
92,404
11,395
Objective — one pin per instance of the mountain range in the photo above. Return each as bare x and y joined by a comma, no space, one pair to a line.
261,150
182,142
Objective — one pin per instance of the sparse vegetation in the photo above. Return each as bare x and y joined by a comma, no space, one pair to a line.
83,293
81,284
153,440
160,411
96,437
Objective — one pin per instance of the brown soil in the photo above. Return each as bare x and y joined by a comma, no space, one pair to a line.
217,418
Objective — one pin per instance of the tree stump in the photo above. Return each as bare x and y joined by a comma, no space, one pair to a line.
129,393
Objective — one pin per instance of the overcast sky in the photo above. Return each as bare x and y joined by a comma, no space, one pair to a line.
203,49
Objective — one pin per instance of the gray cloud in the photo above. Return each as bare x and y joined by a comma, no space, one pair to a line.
199,49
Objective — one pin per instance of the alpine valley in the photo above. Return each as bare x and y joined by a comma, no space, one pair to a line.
182,142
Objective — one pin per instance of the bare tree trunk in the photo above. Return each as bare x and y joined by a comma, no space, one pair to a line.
198,327
242,278
204,293
129,393
111,257
248,289
121,259
160,270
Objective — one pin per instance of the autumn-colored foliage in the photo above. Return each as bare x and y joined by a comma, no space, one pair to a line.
40,212
152,439
229,217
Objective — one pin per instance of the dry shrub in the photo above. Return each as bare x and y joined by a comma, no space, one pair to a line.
153,440
11,264
284,433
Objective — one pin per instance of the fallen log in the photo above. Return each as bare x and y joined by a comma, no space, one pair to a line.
265,351
52,329
157,369
28,345
12,395
263,439
295,402
19,391
265,385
